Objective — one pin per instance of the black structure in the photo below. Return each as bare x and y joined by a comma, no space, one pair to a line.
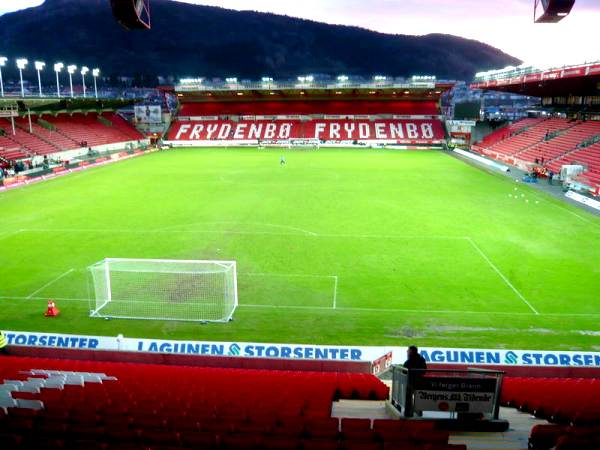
132,14
551,11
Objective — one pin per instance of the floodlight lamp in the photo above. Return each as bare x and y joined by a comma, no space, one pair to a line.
39,65
21,63
71,69
84,70
95,72
58,67
3,60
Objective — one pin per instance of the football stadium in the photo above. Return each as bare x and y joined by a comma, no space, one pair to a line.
241,263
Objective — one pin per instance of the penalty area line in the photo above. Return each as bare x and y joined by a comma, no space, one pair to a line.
501,275
348,309
61,276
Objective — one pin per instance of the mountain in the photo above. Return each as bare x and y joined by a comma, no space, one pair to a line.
192,40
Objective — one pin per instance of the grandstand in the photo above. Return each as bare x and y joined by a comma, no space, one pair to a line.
348,230
549,142
66,132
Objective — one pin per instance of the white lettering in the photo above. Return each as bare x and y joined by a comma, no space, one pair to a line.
349,127
270,130
427,130
380,131
364,131
255,131
225,131
182,130
240,129
319,130
411,130
210,130
396,131
285,131
334,131
195,135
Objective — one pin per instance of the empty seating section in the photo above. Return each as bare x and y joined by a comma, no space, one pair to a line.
588,157
508,131
88,129
560,400
28,141
10,150
561,144
159,407
553,142
71,132
368,107
425,131
563,437
531,136
53,137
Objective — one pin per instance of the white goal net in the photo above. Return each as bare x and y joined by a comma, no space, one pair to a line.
154,289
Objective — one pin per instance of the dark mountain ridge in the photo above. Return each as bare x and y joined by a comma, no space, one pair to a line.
192,40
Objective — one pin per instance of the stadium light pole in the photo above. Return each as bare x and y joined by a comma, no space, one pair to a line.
95,73
3,60
71,69
57,68
84,70
39,66
21,64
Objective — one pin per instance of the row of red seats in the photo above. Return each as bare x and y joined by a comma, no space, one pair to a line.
561,400
507,131
533,135
313,107
561,437
150,405
71,132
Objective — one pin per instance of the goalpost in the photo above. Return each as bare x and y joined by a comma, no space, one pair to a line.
161,289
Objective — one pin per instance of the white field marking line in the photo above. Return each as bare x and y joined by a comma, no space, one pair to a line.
335,291
501,275
51,282
251,233
350,309
8,234
291,275
298,275
269,225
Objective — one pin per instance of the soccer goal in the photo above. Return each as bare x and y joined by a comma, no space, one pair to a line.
156,289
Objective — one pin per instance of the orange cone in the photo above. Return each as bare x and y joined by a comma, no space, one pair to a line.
52,309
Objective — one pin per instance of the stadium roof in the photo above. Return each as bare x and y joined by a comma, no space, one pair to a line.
424,88
580,80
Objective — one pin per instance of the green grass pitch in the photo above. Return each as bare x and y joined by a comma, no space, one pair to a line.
357,247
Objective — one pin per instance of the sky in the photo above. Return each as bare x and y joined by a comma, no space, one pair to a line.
506,24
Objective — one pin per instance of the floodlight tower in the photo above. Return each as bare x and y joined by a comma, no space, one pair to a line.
57,68
21,64
3,60
84,70
71,69
95,73
39,66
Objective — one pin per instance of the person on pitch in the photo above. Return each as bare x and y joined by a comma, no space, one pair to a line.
282,160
